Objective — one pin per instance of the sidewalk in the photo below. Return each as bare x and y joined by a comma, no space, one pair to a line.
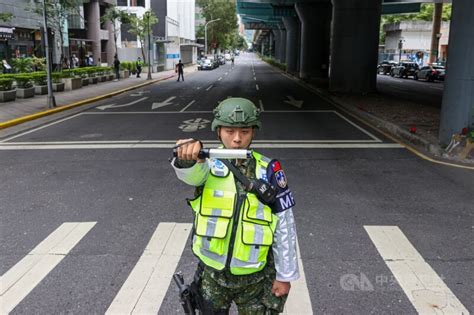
20,108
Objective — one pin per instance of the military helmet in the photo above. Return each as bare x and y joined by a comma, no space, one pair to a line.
236,112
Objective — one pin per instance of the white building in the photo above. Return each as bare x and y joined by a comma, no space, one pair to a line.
416,38
173,36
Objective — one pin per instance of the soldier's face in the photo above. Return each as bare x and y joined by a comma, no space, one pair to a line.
236,138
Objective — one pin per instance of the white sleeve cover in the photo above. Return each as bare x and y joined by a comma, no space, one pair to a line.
195,175
284,247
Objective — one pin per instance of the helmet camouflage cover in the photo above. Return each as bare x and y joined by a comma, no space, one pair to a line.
236,112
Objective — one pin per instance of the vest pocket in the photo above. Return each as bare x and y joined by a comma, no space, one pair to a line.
217,203
211,233
255,211
252,242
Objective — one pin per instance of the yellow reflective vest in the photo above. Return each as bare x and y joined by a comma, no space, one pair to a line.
232,231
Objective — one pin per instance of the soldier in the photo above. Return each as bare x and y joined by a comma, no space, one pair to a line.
246,243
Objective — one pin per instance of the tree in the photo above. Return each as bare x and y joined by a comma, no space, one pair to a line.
5,17
142,27
57,12
425,14
114,15
221,33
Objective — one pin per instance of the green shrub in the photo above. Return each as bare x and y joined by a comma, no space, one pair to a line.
23,81
133,68
22,65
71,73
39,78
56,77
91,71
6,83
38,63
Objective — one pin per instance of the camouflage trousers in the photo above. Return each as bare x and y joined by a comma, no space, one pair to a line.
251,293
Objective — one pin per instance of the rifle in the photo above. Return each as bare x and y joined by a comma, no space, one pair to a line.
185,295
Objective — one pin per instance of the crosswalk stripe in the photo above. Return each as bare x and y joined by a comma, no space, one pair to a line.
22,278
298,301
423,287
145,288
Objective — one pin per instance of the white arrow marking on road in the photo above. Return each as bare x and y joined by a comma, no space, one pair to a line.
123,105
291,100
162,104
139,93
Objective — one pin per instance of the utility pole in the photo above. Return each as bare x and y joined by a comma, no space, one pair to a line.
51,99
149,45
435,32
205,33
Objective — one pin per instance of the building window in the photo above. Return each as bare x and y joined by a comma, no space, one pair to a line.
122,3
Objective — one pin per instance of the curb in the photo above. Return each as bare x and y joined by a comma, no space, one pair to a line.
20,120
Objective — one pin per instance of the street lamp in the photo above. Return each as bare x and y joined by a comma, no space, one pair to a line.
148,13
51,100
205,32
400,47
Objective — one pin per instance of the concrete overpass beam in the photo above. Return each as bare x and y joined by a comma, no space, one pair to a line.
315,20
282,47
354,45
457,110
291,51
277,34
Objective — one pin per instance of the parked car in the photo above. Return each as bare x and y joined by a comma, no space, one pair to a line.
385,66
430,73
221,60
404,69
207,64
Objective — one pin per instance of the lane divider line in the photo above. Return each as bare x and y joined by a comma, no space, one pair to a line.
145,288
421,284
261,105
24,276
187,106
256,86
209,87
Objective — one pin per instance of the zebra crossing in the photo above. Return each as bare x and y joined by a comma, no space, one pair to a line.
144,290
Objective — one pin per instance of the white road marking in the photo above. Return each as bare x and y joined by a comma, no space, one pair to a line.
210,87
23,277
198,88
121,105
256,86
255,78
146,286
423,287
219,79
328,144
299,301
226,73
166,102
187,106
261,105
39,128
358,127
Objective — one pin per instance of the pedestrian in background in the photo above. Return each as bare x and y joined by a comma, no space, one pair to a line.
139,66
117,67
180,70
